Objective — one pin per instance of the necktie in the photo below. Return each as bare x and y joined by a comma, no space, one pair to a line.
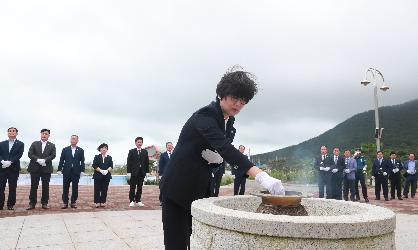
335,159
323,157
169,155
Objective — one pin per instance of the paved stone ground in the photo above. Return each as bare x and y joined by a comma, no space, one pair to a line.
119,227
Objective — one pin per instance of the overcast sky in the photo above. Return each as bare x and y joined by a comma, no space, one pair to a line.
113,70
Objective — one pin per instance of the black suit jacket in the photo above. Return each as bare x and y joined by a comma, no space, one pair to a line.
340,165
35,153
187,176
322,163
138,164
398,164
162,163
14,156
104,165
378,169
69,164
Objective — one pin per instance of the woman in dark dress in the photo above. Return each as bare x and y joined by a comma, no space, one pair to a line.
102,165
205,142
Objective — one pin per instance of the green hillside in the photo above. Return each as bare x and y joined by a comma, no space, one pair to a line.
400,123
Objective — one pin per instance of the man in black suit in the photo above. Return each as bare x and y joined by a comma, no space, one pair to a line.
204,142
323,165
337,168
41,154
395,177
380,170
11,151
137,168
162,163
72,167
239,181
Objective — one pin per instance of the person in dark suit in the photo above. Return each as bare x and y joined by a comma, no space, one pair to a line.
411,167
217,174
239,181
349,176
323,165
71,166
137,168
395,177
204,142
162,164
11,151
360,176
337,167
103,166
41,154
380,170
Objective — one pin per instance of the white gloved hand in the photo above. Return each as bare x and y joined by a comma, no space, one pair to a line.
347,171
408,171
334,170
321,168
6,164
59,172
365,168
128,175
3,163
273,185
212,157
41,162
384,173
327,169
105,172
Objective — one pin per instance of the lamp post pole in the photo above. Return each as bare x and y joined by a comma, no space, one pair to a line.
374,74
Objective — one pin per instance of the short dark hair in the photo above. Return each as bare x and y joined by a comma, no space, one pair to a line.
393,153
238,84
46,130
347,150
241,146
139,138
169,142
74,136
380,151
103,145
336,148
13,128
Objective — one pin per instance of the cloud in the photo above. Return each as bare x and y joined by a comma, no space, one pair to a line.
113,70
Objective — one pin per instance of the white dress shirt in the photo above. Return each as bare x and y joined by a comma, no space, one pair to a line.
43,145
73,150
11,143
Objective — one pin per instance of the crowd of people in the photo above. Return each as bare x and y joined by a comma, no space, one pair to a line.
71,166
339,176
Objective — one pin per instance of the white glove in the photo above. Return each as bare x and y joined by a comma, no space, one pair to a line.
273,185
321,168
384,173
59,172
128,175
82,174
334,170
365,168
41,162
347,171
409,171
327,169
6,164
104,172
212,157
395,170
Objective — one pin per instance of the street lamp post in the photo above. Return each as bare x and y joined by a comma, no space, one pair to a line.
374,73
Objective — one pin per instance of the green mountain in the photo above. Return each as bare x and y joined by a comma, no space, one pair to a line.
400,123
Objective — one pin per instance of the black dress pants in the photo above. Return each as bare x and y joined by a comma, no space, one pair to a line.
11,177
177,225
68,179
239,184
100,190
135,184
34,182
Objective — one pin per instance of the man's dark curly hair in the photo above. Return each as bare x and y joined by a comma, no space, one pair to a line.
238,84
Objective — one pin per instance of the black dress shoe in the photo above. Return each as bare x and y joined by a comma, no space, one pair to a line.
65,206
378,199
386,199
73,205
10,208
1,208
405,196
366,199
392,198
31,207
400,198
45,206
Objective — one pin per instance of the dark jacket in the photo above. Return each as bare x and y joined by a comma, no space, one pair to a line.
35,153
322,163
71,164
162,163
14,156
187,176
398,164
378,169
340,165
104,165
138,164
